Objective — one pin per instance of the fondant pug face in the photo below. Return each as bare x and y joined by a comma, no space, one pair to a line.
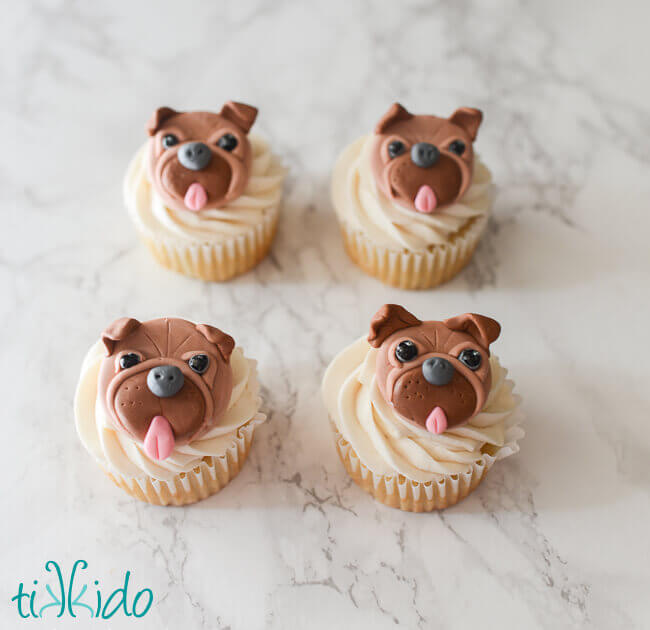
200,160
435,374
165,382
424,162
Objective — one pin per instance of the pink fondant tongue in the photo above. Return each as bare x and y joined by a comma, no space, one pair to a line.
425,200
195,197
437,421
159,441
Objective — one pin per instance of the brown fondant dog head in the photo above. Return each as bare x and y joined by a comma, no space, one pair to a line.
165,381
200,160
435,374
424,162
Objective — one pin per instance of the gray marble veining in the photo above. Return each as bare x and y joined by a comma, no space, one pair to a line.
557,536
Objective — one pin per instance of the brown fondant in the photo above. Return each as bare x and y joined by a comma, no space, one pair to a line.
201,401
395,113
468,119
388,319
158,118
403,385
225,343
119,329
224,178
399,179
484,329
242,115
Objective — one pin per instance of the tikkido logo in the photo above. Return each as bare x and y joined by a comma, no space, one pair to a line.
74,598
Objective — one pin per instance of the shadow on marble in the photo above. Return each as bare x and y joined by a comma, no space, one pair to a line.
308,247
527,253
526,250
532,253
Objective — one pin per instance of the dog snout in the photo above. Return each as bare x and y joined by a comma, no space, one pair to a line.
165,381
195,155
437,371
424,154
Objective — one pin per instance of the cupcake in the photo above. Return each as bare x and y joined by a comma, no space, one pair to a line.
421,410
203,194
413,199
167,408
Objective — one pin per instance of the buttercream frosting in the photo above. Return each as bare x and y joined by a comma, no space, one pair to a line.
361,205
260,198
119,453
390,445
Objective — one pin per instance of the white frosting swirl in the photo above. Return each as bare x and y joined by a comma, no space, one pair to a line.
388,444
119,453
359,203
260,198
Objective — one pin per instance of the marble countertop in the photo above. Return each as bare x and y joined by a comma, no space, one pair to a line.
557,536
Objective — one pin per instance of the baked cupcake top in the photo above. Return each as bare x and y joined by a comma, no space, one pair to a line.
423,399
416,181
156,397
201,176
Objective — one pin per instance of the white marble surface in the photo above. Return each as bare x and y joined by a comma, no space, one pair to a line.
558,536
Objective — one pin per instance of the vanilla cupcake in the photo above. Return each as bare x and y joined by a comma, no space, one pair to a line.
421,410
167,408
203,194
413,199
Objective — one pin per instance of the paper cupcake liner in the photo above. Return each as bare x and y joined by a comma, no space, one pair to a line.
216,262
414,270
210,476
407,495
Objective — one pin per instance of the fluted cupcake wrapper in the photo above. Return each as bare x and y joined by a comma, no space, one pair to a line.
412,496
414,270
210,476
216,262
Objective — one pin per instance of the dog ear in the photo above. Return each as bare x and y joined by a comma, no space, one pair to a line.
225,343
387,320
158,118
469,119
484,329
120,329
242,115
393,115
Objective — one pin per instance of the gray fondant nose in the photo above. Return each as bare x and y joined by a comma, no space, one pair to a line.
424,154
165,380
437,371
195,155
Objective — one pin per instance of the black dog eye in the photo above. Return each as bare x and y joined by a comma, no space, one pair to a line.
471,358
457,147
169,140
396,148
129,360
406,351
227,142
199,363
